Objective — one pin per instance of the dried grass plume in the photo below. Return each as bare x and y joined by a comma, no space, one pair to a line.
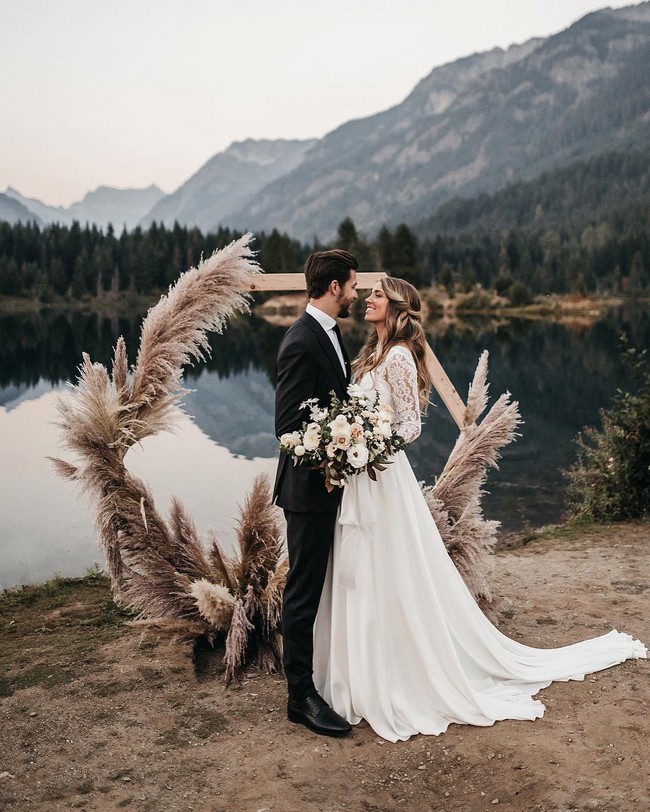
158,567
455,499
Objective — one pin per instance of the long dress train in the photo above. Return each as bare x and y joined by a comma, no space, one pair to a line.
399,639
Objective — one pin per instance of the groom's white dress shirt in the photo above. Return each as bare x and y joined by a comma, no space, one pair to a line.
328,324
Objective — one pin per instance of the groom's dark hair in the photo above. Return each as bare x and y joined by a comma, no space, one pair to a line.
323,267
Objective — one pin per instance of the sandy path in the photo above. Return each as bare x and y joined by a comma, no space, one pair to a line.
126,723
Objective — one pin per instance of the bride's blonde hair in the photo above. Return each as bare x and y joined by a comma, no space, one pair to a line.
403,326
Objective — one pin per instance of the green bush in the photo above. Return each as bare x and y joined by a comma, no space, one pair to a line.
611,479
502,284
520,295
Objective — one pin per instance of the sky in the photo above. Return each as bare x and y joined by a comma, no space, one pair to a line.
132,92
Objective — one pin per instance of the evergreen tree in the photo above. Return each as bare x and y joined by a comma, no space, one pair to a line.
346,235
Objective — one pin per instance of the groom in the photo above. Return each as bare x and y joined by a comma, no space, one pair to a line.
311,363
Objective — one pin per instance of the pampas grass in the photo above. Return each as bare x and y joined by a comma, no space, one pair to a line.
158,568
455,499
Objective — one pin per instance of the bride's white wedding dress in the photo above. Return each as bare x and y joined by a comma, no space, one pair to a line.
399,639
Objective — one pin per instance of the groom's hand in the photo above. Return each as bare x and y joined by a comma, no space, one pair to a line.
328,483
324,465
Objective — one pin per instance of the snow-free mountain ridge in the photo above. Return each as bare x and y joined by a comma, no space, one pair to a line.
120,207
228,181
473,126
470,126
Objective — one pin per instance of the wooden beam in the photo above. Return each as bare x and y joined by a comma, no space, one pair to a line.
445,388
296,281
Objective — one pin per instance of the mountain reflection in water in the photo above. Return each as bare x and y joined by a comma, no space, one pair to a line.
560,376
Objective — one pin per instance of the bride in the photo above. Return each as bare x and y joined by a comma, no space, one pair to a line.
399,640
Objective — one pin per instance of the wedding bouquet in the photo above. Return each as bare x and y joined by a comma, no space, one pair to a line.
352,436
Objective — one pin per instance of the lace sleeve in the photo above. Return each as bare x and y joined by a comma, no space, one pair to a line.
401,376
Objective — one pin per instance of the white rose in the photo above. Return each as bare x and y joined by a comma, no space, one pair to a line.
291,439
311,439
385,430
299,450
330,450
311,442
357,455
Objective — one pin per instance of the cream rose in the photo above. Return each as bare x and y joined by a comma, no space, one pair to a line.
342,439
385,412
311,440
290,440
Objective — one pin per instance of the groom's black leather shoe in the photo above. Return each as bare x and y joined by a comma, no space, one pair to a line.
314,712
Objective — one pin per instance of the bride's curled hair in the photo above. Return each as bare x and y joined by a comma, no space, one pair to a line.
403,326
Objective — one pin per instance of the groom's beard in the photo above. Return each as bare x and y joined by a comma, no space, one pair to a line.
344,307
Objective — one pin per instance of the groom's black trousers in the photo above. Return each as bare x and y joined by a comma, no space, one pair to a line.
309,540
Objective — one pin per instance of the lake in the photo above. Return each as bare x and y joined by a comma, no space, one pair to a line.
561,374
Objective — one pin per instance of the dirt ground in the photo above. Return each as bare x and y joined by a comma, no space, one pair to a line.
95,716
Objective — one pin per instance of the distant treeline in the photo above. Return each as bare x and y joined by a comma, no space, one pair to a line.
611,254
71,261
582,228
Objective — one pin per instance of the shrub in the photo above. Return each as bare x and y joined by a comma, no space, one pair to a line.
611,479
502,285
520,295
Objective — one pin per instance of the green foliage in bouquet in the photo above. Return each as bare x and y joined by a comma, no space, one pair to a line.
611,479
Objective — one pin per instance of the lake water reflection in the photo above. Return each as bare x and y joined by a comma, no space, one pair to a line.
561,376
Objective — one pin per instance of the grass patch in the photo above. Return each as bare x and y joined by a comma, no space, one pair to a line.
65,621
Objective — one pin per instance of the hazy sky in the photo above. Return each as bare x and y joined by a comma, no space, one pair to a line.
132,92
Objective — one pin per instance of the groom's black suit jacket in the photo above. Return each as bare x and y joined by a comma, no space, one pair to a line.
307,367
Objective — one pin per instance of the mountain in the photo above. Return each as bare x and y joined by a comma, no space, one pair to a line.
227,182
121,207
572,195
13,211
473,126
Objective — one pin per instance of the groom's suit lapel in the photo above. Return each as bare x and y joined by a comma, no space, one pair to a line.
328,348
